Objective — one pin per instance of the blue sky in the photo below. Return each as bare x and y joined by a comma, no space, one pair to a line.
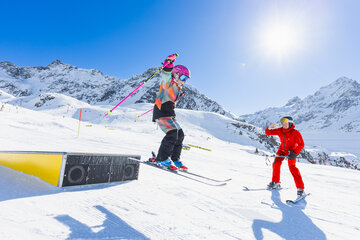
228,45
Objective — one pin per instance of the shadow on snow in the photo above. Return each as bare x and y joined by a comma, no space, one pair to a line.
294,224
14,185
112,228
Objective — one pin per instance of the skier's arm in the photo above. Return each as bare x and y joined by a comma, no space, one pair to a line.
272,131
300,143
166,72
165,79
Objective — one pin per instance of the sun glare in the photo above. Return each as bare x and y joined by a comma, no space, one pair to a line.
279,40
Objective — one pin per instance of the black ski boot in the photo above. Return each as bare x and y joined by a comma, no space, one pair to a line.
300,192
274,185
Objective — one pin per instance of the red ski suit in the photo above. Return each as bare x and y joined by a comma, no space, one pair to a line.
290,139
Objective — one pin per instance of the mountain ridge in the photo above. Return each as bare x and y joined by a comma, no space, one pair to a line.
93,87
332,107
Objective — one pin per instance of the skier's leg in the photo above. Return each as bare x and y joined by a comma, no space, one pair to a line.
295,173
178,146
167,145
276,169
168,126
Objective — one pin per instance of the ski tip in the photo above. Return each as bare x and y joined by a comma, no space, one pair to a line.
220,185
298,199
246,188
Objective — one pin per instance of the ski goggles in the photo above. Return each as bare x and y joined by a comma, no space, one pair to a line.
282,120
183,78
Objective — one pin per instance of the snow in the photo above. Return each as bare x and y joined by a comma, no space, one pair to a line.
160,205
335,141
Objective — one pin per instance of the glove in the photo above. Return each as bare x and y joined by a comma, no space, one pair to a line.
169,61
182,93
274,126
292,155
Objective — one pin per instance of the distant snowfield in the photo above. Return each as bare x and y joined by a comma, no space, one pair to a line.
161,205
337,143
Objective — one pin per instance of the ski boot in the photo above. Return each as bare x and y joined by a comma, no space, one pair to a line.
180,165
273,185
300,192
167,164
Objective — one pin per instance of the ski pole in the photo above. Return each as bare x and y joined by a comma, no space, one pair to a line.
199,147
182,94
267,160
110,111
145,113
165,64
79,122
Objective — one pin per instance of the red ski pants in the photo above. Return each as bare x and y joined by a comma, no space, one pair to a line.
293,169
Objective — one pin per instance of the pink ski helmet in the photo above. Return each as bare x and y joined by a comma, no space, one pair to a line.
182,72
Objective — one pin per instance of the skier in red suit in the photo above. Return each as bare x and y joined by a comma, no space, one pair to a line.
291,145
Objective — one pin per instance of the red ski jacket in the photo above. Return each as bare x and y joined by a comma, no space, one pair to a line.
290,139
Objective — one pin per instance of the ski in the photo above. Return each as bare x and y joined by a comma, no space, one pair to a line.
177,173
204,177
261,189
182,175
297,199
198,175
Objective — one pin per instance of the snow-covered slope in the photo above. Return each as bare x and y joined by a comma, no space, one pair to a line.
161,205
218,125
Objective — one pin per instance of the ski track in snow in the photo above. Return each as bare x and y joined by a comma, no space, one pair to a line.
161,205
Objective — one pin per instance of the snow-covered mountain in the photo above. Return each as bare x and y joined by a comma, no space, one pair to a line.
335,107
57,85
329,121
93,87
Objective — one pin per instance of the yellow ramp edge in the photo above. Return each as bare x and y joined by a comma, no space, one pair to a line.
46,166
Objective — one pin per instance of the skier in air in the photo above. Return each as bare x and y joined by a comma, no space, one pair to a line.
291,145
172,80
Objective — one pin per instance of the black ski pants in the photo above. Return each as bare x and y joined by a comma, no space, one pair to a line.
171,145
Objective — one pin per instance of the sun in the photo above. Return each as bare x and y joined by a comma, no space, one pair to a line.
279,39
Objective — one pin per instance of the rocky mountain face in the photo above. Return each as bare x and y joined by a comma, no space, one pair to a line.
93,87
333,107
